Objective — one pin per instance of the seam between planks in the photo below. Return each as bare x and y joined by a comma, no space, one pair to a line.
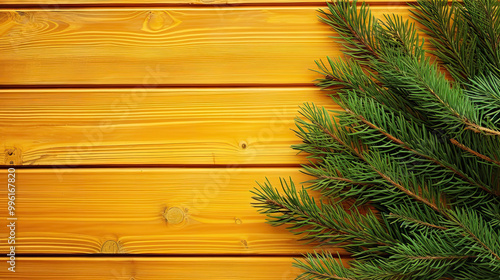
166,166
188,5
155,86
186,256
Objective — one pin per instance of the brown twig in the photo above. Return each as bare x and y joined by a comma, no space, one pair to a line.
344,180
439,257
469,150
418,221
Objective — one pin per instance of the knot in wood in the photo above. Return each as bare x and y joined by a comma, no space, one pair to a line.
174,215
110,247
243,145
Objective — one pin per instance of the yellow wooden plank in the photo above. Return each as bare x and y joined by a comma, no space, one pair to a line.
149,46
56,3
72,127
136,268
145,211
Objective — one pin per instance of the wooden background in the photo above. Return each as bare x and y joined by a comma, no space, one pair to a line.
139,127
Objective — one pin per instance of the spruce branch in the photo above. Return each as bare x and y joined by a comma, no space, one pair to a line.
353,25
476,228
451,37
484,91
319,222
322,266
428,156
408,171
469,150
321,119
484,18
413,220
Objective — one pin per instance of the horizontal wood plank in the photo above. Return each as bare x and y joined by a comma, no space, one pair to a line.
137,268
57,3
75,127
145,211
174,46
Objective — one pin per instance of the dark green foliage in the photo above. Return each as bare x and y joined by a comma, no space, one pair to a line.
409,170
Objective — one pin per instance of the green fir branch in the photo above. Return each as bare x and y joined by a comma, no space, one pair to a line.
409,170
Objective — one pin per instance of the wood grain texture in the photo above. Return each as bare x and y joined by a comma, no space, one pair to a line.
145,211
56,3
175,46
137,268
74,127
